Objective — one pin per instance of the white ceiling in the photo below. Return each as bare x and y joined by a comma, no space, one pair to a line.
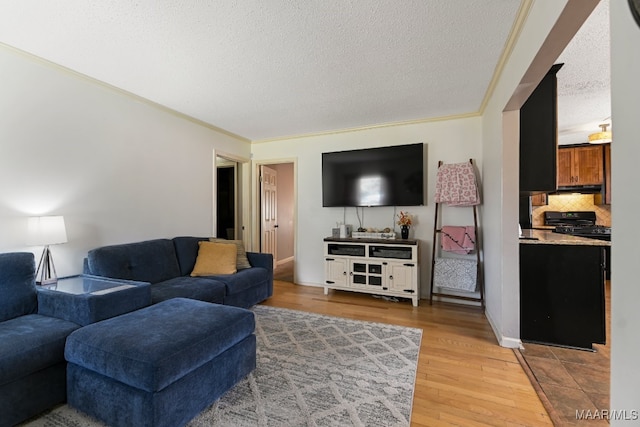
278,68
584,92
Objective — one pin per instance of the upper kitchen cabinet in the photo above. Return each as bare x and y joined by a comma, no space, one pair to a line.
604,197
580,166
539,137
607,176
541,199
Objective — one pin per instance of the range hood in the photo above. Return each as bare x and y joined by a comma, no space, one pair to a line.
582,189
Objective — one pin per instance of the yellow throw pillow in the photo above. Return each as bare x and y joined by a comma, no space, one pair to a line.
242,261
215,258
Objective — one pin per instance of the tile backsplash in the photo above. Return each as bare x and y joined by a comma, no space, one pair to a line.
572,202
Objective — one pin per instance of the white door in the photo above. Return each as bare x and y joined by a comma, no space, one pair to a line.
269,211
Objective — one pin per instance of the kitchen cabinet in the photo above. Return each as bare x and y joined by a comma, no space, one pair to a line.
580,165
604,198
541,199
607,174
539,137
562,294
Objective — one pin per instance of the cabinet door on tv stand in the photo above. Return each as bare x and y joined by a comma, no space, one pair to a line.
400,276
335,271
358,274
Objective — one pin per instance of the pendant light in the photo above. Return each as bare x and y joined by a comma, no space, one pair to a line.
601,137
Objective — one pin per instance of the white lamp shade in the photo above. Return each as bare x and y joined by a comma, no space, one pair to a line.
46,230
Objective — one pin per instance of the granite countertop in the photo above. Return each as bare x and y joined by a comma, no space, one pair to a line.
544,227
544,237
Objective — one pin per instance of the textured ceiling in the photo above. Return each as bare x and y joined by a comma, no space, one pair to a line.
264,70
584,92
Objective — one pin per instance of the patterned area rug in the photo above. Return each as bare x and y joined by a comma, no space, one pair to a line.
313,370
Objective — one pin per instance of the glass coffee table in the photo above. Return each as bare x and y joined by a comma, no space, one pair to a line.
86,299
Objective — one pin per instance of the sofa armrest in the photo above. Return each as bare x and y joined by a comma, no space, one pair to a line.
93,304
257,259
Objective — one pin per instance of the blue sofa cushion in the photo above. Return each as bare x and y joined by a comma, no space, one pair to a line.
17,285
243,280
149,261
263,260
153,347
200,288
30,344
187,251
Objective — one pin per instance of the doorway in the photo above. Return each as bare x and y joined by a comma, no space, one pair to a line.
276,216
228,200
225,208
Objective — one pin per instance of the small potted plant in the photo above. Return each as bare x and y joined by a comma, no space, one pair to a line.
404,221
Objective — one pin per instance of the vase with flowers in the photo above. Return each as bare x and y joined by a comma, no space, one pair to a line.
404,221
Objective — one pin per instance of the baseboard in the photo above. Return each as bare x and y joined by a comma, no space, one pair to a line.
510,342
284,261
507,342
312,285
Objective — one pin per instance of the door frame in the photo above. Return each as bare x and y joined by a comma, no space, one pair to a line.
242,199
223,163
255,205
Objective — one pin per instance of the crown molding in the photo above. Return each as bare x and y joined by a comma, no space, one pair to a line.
369,127
516,30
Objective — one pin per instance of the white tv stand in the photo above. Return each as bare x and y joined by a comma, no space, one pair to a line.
374,266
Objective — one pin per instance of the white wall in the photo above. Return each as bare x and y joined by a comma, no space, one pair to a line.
450,141
492,140
532,57
625,156
117,168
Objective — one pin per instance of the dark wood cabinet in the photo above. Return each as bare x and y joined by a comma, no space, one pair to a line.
539,137
562,294
565,166
541,199
604,198
578,166
607,174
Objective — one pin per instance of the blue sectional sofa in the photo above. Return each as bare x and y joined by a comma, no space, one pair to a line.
33,369
32,364
167,264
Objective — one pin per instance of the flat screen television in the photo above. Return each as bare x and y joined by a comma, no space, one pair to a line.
384,176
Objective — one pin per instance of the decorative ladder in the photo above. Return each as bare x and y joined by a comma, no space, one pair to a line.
479,276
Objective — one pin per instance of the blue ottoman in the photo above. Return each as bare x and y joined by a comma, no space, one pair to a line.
160,365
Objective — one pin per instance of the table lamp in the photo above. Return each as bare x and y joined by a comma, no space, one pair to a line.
46,230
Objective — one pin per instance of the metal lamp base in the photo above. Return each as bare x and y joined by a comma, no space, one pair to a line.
46,273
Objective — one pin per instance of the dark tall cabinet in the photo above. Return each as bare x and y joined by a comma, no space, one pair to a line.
538,137
562,300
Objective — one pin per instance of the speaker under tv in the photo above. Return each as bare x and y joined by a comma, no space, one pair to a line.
381,176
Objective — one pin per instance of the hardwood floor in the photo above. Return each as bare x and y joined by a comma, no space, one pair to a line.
284,272
464,377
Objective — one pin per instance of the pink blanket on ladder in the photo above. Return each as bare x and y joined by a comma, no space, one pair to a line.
456,185
458,239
